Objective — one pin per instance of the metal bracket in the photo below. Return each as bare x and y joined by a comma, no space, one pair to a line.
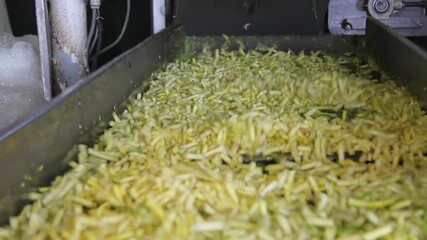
43,29
348,17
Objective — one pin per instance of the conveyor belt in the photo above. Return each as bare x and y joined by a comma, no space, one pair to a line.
37,149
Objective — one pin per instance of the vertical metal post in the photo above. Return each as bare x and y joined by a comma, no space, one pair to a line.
69,34
43,31
158,12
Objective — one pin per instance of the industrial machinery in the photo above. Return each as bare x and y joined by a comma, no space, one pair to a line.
349,17
49,137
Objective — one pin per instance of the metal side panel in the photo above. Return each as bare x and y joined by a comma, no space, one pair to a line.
400,57
37,149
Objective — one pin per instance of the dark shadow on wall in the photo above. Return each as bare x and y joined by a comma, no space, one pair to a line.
22,17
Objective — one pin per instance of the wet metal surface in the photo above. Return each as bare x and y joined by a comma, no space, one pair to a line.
43,30
78,115
400,57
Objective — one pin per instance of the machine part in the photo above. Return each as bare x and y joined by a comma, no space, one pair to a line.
158,15
43,30
347,25
398,4
349,18
69,34
400,57
383,9
415,4
380,9
381,6
95,4
4,18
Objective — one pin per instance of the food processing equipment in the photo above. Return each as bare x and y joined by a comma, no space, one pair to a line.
39,148
349,17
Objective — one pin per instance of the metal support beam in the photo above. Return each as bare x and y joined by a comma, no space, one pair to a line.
43,31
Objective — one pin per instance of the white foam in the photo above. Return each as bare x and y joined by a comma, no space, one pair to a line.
21,89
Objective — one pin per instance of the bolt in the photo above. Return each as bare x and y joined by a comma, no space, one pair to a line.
346,25
381,6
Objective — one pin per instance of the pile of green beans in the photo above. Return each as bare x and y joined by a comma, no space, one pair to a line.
237,145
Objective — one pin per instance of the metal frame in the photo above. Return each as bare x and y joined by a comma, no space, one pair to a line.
43,29
348,17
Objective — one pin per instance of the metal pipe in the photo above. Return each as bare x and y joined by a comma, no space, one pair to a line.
69,35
